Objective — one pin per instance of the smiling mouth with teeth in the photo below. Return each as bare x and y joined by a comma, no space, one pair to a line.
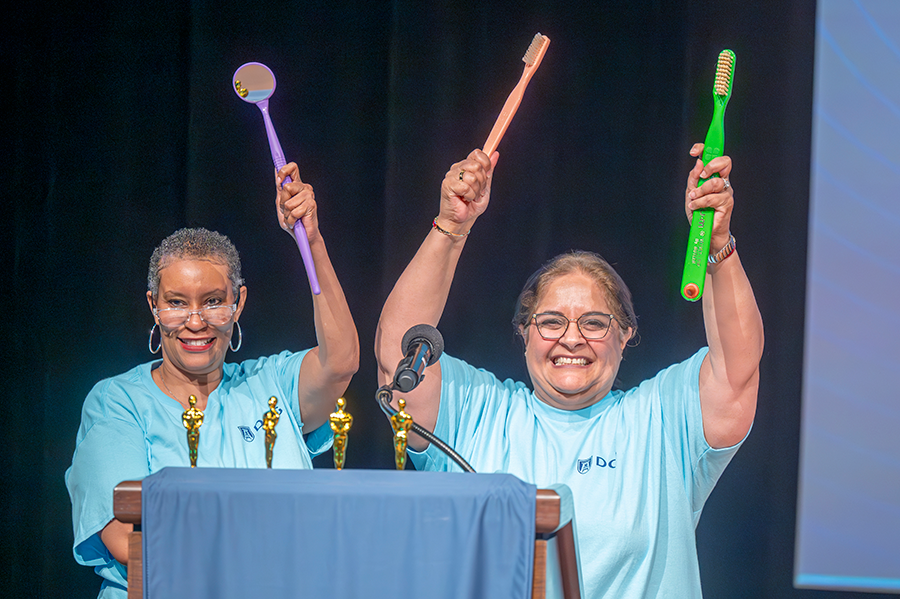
573,361
197,342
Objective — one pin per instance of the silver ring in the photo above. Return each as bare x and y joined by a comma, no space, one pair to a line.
727,183
461,173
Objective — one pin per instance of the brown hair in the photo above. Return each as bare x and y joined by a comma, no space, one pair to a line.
577,261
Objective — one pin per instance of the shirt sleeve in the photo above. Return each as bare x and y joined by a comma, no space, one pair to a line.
474,403
454,378
320,440
110,448
679,391
287,368
284,368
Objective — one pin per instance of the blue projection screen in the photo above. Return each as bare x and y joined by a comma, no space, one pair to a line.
848,519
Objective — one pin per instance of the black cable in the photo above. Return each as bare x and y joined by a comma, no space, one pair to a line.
384,395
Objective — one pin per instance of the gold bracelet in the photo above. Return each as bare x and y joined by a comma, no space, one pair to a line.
434,225
724,252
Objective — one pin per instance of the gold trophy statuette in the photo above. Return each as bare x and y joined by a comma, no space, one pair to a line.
270,419
192,419
341,422
401,422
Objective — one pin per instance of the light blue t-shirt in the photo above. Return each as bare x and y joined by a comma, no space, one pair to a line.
637,463
130,429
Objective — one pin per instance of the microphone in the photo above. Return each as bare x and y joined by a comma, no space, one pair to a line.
422,346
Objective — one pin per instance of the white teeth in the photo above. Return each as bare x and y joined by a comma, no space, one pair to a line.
578,361
196,341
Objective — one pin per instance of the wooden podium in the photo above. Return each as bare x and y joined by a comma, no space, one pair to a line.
555,557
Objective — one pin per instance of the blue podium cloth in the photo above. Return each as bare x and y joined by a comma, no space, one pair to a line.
238,533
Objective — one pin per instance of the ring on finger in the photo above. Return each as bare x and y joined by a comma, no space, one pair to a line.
461,173
727,183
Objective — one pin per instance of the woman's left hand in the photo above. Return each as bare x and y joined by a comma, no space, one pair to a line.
295,201
714,194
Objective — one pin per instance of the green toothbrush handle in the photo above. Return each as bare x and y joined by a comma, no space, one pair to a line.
695,259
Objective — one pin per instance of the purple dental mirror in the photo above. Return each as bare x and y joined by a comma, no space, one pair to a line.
254,82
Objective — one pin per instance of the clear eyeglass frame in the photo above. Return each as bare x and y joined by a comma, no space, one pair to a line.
211,315
583,322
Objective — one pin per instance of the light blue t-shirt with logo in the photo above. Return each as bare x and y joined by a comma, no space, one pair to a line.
130,429
637,463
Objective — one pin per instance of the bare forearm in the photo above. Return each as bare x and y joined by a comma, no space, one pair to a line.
734,328
115,536
418,297
338,341
421,292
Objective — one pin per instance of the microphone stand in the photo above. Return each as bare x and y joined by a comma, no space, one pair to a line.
384,396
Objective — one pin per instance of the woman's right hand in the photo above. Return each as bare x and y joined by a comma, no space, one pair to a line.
466,191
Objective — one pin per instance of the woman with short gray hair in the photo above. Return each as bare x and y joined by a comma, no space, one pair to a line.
131,424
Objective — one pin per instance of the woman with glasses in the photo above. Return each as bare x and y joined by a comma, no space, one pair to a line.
132,423
640,462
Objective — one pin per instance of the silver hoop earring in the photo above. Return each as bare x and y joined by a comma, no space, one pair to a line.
150,340
240,338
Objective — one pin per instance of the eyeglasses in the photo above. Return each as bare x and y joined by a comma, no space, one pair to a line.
592,325
212,315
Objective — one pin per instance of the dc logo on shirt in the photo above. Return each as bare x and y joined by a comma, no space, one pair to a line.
583,466
248,433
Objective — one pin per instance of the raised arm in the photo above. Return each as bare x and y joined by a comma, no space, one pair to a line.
729,376
421,292
327,369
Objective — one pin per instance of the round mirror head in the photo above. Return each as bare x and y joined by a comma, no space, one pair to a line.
253,82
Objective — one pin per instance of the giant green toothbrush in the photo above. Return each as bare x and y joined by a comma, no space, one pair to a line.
701,220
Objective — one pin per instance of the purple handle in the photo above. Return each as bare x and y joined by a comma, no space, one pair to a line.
299,230
305,252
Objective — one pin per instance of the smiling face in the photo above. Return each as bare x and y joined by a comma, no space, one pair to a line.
195,347
572,372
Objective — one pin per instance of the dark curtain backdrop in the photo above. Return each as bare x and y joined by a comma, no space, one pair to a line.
122,126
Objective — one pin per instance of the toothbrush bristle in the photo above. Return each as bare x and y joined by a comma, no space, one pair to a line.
534,49
723,73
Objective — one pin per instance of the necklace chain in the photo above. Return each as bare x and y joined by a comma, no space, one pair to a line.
166,385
